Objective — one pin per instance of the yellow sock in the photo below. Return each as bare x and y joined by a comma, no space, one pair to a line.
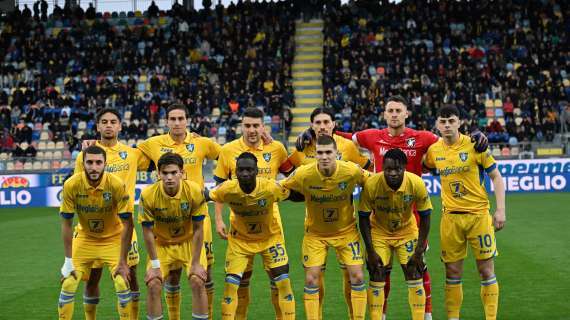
123,298
210,293
275,301
376,299
347,290
321,292
358,299
230,299
453,297
490,297
311,301
90,307
172,297
66,301
286,299
417,299
243,300
135,297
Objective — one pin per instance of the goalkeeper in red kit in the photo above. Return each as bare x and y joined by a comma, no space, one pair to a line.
414,143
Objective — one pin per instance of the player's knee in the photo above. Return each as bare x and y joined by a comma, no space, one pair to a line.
120,283
486,268
197,284
70,284
154,287
276,272
453,270
93,281
378,275
174,277
312,279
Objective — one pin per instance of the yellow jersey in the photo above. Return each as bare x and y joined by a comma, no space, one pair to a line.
122,161
328,200
269,158
99,208
253,213
172,217
393,210
462,172
193,150
347,151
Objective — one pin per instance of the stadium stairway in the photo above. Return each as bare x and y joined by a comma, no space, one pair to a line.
307,74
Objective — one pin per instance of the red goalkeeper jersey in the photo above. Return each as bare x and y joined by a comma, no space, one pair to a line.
414,143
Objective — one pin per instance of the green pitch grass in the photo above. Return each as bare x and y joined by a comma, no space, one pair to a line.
531,268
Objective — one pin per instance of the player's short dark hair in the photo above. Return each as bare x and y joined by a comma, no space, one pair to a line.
252,112
448,111
94,150
177,106
325,140
104,111
397,155
398,98
322,110
247,155
170,158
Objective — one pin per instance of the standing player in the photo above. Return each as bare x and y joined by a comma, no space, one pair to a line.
466,219
327,186
322,123
101,202
270,156
391,196
414,143
194,150
173,211
254,230
122,161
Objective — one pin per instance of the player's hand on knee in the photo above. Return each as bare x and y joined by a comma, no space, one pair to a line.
499,219
87,143
221,230
123,270
481,141
197,270
153,273
416,265
68,269
374,262
305,139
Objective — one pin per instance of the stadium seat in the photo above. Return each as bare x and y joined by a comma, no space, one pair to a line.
139,141
505,152
37,165
57,155
499,112
160,130
40,155
48,155
498,103
515,151
221,140
127,115
3,156
64,164
51,145
489,103
123,141
28,166
496,151
82,125
518,121
10,166
19,165
162,123
489,112
131,142
501,121
44,136
55,164
517,112
59,145
66,154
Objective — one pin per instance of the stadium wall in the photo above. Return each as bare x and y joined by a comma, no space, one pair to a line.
538,175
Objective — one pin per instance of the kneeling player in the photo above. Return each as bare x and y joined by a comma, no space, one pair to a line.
172,218
391,195
254,230
101,202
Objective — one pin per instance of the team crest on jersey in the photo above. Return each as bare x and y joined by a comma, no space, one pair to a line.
123,155
184,206
342,185
262,202
267,156
463,156
411,142
339,156
407,198
190,147
107,196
